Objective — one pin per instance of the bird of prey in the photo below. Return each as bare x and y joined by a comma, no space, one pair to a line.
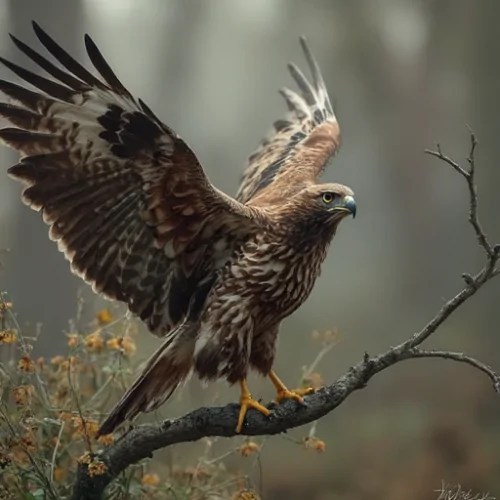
135,214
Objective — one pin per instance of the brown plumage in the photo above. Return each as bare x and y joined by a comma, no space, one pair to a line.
130,206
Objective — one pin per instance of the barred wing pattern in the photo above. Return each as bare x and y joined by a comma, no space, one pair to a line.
299,145
125,197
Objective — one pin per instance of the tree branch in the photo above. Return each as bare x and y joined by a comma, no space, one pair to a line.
143,440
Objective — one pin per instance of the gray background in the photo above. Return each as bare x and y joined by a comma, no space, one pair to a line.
403,74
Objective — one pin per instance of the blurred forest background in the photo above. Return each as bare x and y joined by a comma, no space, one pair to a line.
404,74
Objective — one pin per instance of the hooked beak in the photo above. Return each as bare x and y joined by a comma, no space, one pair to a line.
348,204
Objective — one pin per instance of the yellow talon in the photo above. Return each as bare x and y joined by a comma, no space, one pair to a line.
285,393
246,401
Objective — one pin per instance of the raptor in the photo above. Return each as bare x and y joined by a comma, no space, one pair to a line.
133,211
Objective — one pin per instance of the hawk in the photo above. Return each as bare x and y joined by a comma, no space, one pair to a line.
135,214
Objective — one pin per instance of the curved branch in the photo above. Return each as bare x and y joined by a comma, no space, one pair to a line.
143,440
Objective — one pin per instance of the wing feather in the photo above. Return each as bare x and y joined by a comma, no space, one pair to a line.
300,144
126,199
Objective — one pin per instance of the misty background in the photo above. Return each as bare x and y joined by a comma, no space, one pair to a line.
403,75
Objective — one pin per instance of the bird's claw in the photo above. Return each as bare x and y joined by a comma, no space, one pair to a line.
295,394
246,402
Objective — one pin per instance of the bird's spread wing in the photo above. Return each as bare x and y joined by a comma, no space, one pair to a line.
125,197
299,145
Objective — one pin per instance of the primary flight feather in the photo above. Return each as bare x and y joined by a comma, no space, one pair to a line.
132,209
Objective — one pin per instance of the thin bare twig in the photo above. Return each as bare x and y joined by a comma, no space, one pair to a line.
56,448
469,176
143,440
462,358
79,408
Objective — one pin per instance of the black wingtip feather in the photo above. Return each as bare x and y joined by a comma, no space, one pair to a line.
50,68
52,88
103,67
65,59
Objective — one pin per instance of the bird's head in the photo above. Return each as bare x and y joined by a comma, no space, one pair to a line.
316,211
327,203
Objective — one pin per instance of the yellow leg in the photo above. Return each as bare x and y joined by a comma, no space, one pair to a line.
246,402
285,393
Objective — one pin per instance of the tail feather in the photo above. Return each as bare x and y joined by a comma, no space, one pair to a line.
169,367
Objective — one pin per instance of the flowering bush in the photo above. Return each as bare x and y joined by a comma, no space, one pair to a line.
50,411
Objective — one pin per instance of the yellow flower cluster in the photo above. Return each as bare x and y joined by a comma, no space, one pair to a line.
249,448
94,342
8,336
313,443
26,364
95,466
104,317
150,480
23,394
84,427
125,344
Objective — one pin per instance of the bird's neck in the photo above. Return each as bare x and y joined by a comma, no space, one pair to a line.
306,236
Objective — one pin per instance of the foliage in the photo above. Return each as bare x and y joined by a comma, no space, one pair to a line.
50,411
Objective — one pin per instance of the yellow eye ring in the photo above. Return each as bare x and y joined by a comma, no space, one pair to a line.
328,197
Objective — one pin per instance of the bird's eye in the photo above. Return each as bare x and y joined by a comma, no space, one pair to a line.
328,197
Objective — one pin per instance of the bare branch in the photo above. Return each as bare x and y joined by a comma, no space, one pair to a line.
462,358
469,176
143,440
453,164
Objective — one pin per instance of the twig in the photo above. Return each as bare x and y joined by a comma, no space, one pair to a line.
79,408
462,358
469,176
56,447
321,354
143,440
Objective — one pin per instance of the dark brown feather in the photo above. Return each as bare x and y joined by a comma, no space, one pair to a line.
52,88
167,368
32,100
31,143
24,118
124,195
66,60
104,68
50,68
